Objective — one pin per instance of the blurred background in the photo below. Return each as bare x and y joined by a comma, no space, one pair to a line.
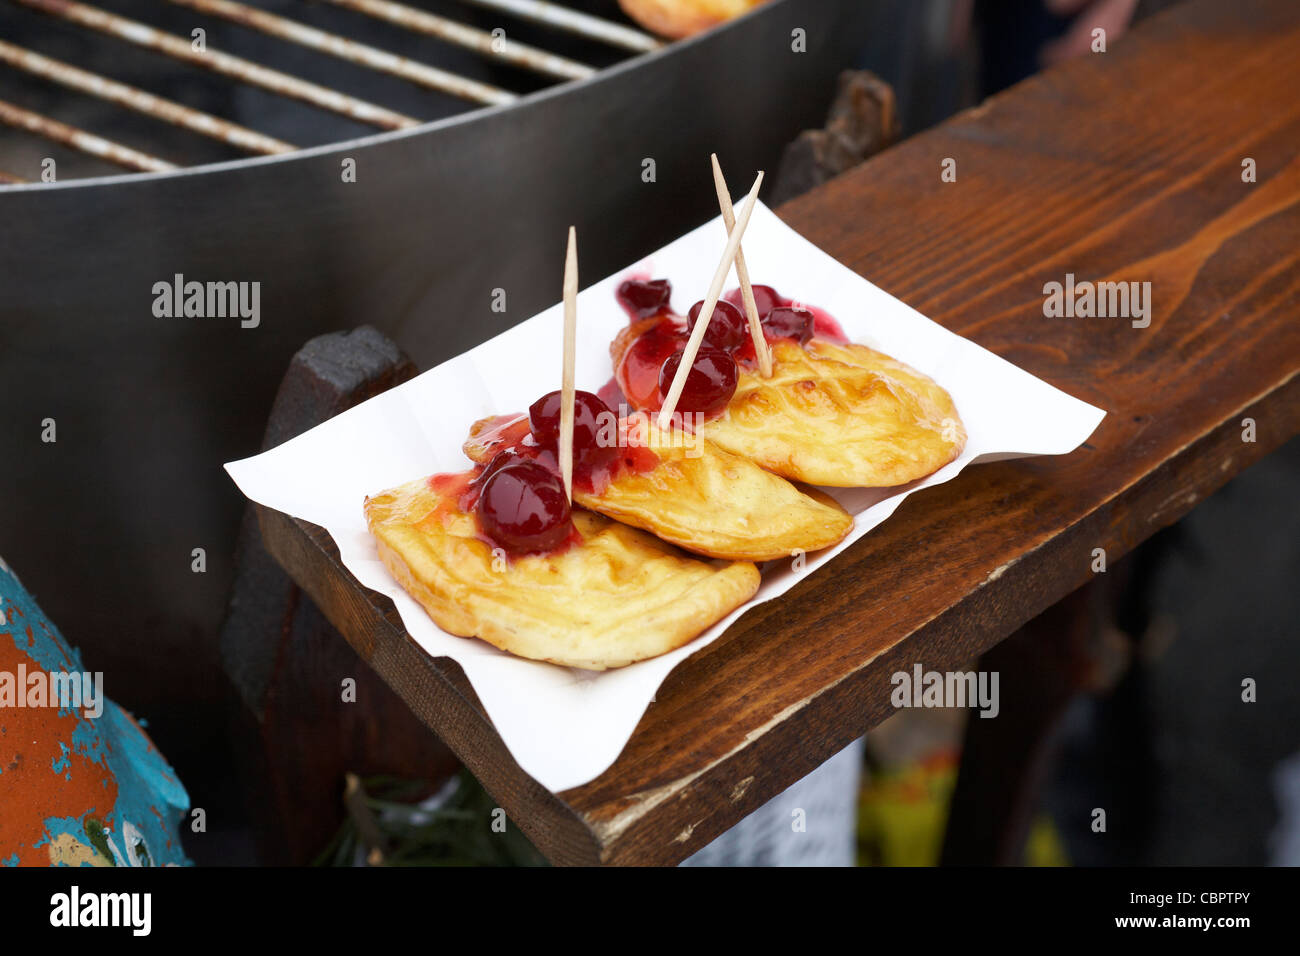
101,527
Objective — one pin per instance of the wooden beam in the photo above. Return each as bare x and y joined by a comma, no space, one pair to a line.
1124,166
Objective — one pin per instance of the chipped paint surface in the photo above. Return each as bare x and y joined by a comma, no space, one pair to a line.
67,850
76,791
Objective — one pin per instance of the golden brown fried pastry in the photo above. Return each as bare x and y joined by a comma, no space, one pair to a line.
700,498
617,597
831,414
682,18
841,416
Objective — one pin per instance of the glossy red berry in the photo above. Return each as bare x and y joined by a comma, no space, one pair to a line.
590,415
523,508
766,298
643,298
709,385
789,322
727,327
499,461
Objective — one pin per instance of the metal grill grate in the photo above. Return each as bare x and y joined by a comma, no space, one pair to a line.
495,46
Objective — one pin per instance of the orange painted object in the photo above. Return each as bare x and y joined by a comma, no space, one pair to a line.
81,783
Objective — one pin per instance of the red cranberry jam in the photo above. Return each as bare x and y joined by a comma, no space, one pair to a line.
646,371
515,495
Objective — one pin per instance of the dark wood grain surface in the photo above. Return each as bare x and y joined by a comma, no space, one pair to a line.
1125,165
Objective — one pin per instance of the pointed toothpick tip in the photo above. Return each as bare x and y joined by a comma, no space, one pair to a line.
761,350
710,304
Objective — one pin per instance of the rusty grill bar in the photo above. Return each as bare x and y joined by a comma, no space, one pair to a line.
232,66
444,29
491,45
580,24
349,50
135,99
79,139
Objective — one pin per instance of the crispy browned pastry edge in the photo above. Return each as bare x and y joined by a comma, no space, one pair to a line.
890,371
399,543
822,520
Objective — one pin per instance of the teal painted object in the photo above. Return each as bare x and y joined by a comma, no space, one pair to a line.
81,783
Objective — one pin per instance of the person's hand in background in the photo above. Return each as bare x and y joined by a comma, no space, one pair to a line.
1113,16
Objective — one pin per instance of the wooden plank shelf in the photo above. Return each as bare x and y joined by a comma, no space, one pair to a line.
1122,166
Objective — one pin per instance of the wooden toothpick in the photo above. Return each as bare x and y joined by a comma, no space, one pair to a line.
710,303
761,350
570,347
